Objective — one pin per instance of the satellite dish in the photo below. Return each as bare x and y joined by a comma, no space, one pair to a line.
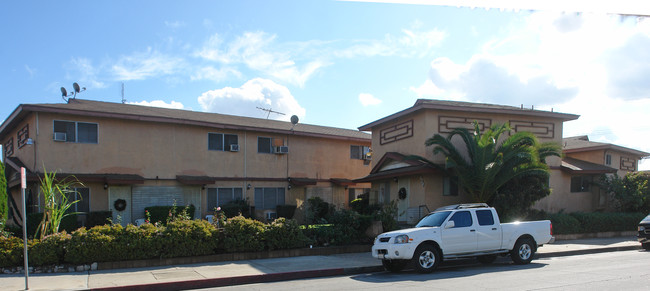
294,119
64,92
76,87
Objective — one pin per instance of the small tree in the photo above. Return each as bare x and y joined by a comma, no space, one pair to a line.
3,196
57,203
631,192
514,200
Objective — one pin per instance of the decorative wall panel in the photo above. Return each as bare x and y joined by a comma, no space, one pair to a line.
396,132
540,129
628,164
447,124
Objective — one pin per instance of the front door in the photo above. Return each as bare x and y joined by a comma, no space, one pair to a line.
403,197
124,193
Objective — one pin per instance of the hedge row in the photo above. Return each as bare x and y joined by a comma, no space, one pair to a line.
582,222
180,238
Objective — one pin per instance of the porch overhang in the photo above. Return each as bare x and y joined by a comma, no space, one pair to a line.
575,167
302,181
396,173
195,180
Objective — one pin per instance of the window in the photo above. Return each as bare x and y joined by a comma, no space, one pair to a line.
450,186
580,183
264,145
484,217
608,159
221,142
219,196
80,132
22,136
358,152
462,219
83,195
9,147
268,198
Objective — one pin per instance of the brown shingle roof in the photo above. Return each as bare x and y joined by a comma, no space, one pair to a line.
422,104
576,166
583,144
156,114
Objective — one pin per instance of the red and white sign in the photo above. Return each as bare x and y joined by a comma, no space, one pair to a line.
23,178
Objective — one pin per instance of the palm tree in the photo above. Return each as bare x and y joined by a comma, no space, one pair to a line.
485,163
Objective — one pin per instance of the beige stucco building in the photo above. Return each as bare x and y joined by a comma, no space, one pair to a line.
418,187
155,156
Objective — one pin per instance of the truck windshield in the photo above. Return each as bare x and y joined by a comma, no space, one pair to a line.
433,219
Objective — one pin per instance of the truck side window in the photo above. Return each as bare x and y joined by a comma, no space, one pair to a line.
462,219
484,217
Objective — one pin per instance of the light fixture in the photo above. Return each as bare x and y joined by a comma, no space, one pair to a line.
105,186
289,187
395,179
29,141
248,187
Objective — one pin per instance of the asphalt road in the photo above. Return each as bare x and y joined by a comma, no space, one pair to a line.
626,270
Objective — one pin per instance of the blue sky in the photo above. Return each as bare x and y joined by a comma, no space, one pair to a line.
341,64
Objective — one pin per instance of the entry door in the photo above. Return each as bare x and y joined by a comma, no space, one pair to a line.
120,192
403,204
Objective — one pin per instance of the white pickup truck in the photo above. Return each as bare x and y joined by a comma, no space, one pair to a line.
460,231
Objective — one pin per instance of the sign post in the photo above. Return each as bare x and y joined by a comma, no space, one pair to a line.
23,186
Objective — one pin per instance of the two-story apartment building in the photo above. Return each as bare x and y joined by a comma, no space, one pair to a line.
151,156
417,186
583,165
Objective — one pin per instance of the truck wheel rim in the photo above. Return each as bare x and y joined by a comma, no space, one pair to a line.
427,259
524,251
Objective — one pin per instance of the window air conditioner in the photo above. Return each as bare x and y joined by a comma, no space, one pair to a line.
282,150
271,215
60,136
234,147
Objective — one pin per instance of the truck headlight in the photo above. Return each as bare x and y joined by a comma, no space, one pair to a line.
402,239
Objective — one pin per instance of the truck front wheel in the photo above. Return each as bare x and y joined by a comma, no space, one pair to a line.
394,265
426,258
523,251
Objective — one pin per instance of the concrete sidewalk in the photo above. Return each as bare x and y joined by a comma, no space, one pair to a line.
256,271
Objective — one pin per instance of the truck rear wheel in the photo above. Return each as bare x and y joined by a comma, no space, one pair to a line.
426,258
394,265
523,251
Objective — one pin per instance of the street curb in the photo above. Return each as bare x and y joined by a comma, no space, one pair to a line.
588,251
276,277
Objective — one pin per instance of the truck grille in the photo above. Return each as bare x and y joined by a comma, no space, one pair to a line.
384,239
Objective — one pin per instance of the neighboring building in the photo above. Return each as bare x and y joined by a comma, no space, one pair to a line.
404,133
154,156
583,165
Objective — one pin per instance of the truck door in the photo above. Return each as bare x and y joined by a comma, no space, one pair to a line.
488,231
462,237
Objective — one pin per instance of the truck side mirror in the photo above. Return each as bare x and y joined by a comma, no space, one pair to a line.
450,224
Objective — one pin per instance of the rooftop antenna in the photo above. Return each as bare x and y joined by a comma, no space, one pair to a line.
269,111
123,100
76,88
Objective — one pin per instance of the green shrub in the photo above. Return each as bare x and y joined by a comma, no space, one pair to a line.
50,250
321,234
284,233
95,218
11,251
318,210
94,245
286,211
139,242
387,214
163,214
184,238
564,223
607,221
236,207
349,227
68,223
243,235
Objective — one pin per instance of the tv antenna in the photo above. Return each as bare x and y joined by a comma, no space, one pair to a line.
269,111
123,100
76,88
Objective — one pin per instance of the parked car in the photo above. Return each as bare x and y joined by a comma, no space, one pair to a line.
460,231
644,233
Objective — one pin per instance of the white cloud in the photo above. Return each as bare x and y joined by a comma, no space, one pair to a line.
30,70
86,74
160,103
595,66
214,74
255,93
367,99
145,65
174,24
409,44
